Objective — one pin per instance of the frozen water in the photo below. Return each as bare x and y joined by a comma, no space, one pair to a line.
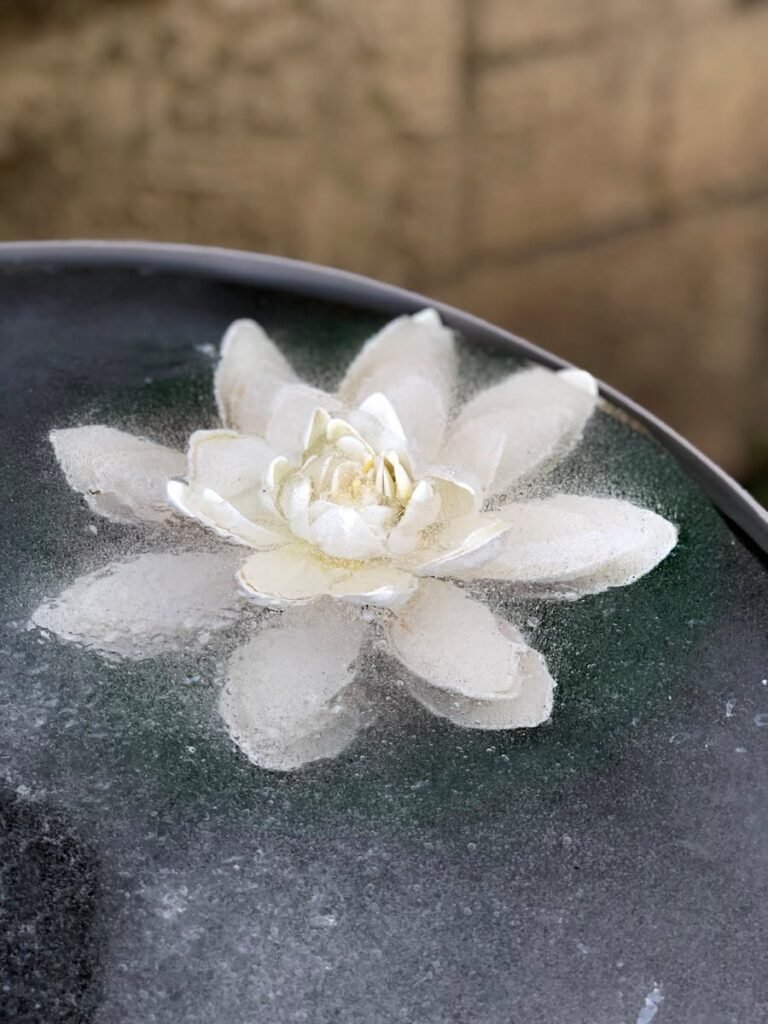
429,873
325,494
139,607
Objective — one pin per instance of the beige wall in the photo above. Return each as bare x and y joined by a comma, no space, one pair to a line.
590,173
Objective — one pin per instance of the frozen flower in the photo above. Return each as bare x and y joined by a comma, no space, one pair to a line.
372,504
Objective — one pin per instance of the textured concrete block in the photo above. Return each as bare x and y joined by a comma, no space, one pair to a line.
504,25
405,57
718,129
565,145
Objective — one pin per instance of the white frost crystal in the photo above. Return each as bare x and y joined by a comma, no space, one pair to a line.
330,505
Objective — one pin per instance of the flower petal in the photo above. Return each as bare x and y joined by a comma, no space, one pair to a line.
570,545
233,465
341,532
534,389
444,497
291,416
293,575
460,492
251,372
141,607
413,362
421,512
214,513
287,699
226,488
381,585
295,499
381,409
521,426
471,666
122,477
423,410
288,576
464,545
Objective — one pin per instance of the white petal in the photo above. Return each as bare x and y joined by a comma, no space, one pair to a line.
341,532
287,698
580,379
521,426
226,491
472,667
354,448
339,429
291,413
456,500
377,517
533,389
236,466
423,410
279,469
382,410
295,576
532,707
423,346
571,545
380,432
428,316
295,498
285,577
460,492
462,547
413,362
121,476
379,585
383,481
318,427
144,606
251,371
421,512
214,513
403,483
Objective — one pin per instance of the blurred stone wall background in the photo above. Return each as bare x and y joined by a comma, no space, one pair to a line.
592,174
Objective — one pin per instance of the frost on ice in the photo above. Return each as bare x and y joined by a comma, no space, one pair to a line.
358,513
650,1007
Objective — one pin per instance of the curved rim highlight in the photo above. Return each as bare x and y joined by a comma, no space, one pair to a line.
284,274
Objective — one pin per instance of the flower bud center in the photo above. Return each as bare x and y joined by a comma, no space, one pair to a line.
346,468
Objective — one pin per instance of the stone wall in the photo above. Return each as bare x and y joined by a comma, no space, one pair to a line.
592,174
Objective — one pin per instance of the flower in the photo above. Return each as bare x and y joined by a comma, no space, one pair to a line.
338,510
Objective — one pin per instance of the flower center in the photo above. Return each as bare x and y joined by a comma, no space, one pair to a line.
352,488
346,468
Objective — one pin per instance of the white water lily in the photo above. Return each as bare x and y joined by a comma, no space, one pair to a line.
331,506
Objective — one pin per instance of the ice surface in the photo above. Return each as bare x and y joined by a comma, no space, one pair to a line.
153,874
142,606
